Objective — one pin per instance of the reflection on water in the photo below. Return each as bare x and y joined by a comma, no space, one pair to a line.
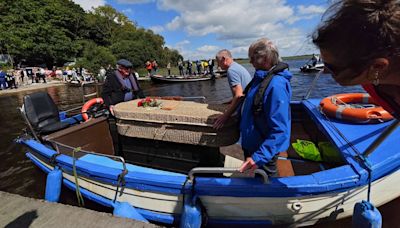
18,175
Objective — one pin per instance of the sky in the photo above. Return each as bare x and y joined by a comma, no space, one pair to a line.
199,29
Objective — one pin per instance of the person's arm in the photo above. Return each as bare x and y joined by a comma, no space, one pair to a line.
276,111
237,92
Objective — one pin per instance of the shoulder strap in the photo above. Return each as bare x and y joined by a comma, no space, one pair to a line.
258,98
248,87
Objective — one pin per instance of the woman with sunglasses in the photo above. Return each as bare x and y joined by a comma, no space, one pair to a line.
360,45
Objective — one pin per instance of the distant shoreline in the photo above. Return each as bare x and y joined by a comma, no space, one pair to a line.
297,57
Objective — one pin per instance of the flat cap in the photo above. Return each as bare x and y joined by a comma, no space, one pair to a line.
124,63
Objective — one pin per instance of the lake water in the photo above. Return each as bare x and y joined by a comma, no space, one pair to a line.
18,175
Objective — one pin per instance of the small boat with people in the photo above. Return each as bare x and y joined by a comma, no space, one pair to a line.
139,182
178,78
314,65
310,68
80,83
220,73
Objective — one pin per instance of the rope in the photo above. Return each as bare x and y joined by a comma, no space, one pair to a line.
369,185
120,182
334,99
81,203
359,155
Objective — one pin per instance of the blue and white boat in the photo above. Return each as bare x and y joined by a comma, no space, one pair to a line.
309,192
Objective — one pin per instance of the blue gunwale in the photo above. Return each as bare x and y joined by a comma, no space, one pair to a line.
148,214
383,162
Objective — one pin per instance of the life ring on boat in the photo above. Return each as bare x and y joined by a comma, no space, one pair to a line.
354,107
88,105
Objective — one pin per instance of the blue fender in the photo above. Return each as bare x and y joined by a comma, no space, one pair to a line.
366,215
125,210
53,185
191,216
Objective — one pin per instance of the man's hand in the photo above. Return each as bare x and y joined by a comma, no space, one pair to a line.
220,121
249,164
111,109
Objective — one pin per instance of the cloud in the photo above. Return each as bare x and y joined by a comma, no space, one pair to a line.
134,1
183,42
127,11
174,24
311,9
208,48
157,29
88,5
203,52
241,22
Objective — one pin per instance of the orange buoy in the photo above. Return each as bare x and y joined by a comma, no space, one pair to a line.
89,104
349,106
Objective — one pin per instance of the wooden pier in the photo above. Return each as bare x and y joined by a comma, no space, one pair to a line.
19,211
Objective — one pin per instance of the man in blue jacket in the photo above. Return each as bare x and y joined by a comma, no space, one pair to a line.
266,133
2,80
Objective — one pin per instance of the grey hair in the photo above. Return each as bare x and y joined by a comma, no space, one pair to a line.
264,48
224,53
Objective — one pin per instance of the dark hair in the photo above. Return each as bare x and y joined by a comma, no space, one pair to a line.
356,31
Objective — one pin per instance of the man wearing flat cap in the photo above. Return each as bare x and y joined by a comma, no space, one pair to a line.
120,85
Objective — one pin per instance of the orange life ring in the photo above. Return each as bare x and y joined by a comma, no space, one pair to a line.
337,106
89,104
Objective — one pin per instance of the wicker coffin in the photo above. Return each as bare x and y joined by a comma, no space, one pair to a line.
176,121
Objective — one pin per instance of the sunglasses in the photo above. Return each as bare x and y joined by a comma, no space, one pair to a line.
335,70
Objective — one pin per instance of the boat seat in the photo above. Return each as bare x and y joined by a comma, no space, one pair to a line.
42,113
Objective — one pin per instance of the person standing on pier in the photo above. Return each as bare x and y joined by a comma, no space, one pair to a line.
238,78
180,66
154,65
265,123
149,68
120,85
169,68
211,67
2,80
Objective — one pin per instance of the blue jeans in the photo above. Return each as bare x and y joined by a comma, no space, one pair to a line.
3,83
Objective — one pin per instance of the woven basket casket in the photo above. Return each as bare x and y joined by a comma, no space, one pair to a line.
176,121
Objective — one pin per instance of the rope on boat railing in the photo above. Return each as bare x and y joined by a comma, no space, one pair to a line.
121,176
81,202
94,153
215,170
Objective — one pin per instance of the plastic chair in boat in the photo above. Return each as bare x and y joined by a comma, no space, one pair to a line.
41,114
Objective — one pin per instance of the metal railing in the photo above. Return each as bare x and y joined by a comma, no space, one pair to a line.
121,159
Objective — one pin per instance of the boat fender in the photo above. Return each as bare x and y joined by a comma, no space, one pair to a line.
297,206
191,215
125,210
366,215
53,185
89,104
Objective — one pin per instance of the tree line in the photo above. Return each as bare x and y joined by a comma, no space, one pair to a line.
54,32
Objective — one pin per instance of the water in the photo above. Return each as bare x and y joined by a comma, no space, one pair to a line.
18,175
218,90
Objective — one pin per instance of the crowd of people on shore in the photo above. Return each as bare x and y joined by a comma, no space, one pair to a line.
14,78
202,67
186,68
